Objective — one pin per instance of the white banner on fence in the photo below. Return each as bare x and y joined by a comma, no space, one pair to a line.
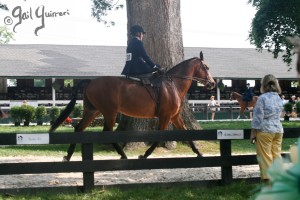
42,138
230,134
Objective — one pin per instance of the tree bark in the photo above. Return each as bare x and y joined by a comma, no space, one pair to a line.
163,42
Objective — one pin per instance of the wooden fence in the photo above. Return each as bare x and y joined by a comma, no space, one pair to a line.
88,166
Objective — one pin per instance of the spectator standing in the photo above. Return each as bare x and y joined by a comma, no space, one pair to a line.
293,100
266,128
212,104
284,101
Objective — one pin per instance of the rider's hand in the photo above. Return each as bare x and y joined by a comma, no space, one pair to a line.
159,70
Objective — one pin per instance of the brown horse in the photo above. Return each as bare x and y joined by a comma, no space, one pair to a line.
243,104
109,95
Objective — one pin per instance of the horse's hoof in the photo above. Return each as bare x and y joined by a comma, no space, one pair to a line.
142,157
199,156
123,157
65,159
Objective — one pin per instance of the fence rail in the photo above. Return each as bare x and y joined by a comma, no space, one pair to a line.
228,111
88,166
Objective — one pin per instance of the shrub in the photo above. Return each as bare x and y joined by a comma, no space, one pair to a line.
15,113
288,108
298,107
40,113
54,113
78,111
27,113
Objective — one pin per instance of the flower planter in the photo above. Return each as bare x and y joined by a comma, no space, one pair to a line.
26,123
39,123
286,118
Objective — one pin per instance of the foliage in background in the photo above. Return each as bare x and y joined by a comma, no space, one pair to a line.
288,108
3,6
101,8
15,113
77,111
5,35
27,113
298,107
273,22
54,113
40,113
68,83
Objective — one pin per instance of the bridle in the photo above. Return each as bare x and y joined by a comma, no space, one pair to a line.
202,65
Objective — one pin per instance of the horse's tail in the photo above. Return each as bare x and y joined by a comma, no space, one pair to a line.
67,111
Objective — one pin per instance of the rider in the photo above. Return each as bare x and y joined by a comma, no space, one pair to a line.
137,61
248,95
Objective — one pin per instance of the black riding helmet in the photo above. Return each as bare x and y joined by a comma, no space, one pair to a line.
136,29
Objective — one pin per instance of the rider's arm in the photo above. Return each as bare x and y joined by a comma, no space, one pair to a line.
143,54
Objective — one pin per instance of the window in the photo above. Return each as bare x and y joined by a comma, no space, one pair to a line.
294,84
68,83
12,82
39,83
251,82
227,83
200,84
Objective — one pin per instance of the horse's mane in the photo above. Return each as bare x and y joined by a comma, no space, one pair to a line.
182,63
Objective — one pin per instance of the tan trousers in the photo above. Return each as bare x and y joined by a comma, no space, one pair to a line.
268,147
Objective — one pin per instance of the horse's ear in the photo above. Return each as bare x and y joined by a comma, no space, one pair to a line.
201,56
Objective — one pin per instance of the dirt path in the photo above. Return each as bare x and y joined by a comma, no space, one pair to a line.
114,177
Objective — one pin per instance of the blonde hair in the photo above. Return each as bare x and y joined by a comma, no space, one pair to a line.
270,84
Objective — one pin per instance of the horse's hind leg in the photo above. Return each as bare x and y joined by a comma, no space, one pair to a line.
84,122
108,126
194,148
179,124
150,150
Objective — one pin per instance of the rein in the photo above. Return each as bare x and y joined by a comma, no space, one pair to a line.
192,77
189,78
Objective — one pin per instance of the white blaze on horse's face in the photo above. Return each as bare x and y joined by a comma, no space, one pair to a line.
209,81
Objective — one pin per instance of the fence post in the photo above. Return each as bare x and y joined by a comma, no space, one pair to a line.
88,177
226,171
231,112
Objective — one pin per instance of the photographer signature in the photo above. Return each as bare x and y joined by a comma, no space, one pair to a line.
38,13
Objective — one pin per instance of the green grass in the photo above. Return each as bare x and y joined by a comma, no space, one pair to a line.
236,191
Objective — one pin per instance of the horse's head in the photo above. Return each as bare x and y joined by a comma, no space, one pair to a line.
202,73
193,69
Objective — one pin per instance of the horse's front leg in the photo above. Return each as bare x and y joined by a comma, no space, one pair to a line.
162,125
70,152
179,124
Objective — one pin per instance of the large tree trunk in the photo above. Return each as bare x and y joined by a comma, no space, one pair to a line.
163,42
